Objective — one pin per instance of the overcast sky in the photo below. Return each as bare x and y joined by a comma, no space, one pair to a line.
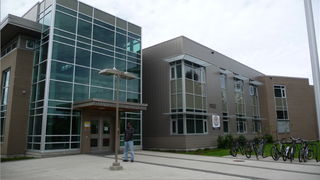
267,35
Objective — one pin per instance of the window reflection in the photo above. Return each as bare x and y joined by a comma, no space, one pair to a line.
65,22
83,57
134,69
134,45
63,52
121,40
103,35
84,28
61,71
60,91
102,62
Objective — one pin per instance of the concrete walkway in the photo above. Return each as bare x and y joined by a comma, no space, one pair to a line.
159,165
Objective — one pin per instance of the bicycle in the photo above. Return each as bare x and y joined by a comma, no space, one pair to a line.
304,152
261,148
293,148
250,147
235,147
275,152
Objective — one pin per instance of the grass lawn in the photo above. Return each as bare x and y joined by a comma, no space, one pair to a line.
225,152
15,159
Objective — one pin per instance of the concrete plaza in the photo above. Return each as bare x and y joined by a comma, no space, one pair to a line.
159,165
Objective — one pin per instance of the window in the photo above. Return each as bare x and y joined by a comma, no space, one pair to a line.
281,108
192,76
29,44
256,124
239,97
240,106
4,100
173,72
196,124
241,124
224,93
5,87
225,123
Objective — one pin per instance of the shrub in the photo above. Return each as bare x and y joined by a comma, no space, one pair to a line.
241,138
225,142
228,140
220,141
255,138
268,137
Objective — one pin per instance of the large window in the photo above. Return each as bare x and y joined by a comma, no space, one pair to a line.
281,108
224,103
188,98
240,106
256,124
4,100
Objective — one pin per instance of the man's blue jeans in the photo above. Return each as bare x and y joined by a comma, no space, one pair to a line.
127,145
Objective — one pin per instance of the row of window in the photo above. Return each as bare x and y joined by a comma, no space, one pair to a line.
7,50
98,31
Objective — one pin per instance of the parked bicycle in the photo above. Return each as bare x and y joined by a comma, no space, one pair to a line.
305,153
293,148
235,148
261,148
276,152
251,148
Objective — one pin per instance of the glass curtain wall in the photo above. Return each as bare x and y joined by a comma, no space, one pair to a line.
281,108
81,47
224,103
240,106
4,101
256,124
188,95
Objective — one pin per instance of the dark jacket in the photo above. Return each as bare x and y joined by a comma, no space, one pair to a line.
128,135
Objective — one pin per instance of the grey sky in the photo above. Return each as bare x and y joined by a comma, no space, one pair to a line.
267,35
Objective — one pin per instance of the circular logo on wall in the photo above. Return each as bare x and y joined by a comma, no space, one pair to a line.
216,122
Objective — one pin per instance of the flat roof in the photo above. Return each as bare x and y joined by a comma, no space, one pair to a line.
12,25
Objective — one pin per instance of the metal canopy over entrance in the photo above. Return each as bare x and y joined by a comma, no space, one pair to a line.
99,122
109,105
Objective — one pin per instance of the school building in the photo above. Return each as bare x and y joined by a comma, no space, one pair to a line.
54,101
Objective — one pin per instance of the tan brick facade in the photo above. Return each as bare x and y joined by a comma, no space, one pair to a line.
20,62
301,106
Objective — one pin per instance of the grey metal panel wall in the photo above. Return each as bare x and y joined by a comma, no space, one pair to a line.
213,89
197,50
163,50
156,92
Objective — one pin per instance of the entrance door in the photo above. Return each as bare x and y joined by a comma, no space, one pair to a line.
100,137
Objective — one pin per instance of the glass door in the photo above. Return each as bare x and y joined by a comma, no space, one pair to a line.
100,139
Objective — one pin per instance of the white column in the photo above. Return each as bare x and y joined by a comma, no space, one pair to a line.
313,56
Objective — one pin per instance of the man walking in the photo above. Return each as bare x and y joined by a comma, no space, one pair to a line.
128,143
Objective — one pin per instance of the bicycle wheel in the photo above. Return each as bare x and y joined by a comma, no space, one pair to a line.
310,154
233,151
241,150
274,153
248,151
291,154
283,152
301,154
256,151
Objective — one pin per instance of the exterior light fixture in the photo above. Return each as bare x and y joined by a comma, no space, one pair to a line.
123,75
